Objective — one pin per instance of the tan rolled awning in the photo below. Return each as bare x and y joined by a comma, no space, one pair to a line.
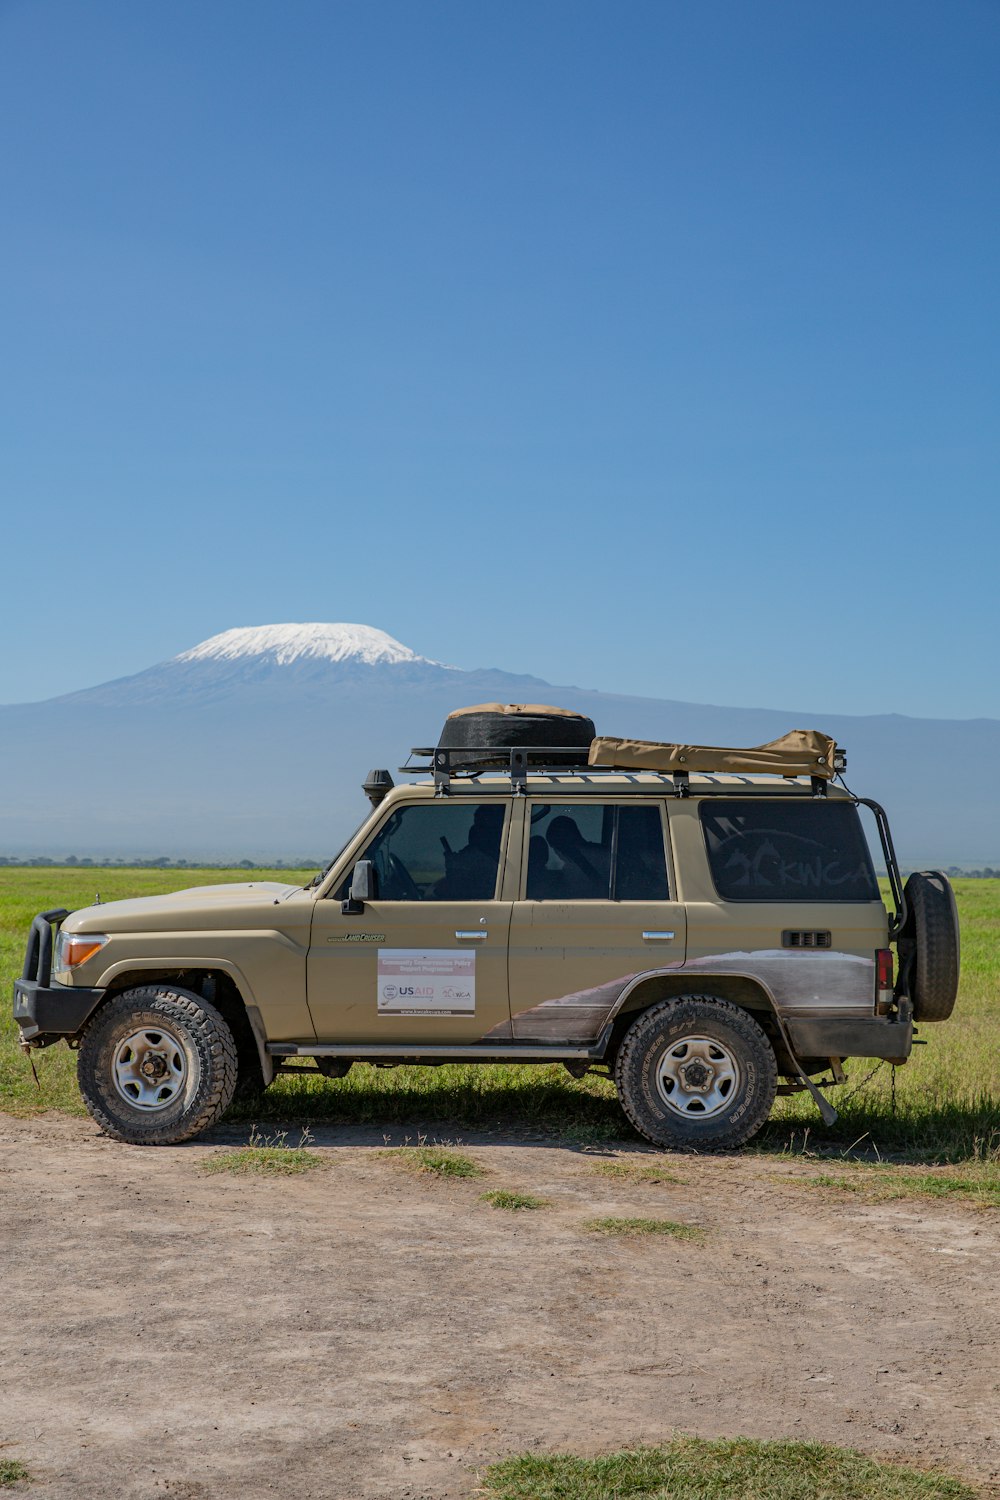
801,752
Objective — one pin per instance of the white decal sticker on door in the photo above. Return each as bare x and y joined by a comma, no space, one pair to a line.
426,982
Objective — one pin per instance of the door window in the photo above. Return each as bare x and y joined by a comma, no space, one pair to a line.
596,852
441,852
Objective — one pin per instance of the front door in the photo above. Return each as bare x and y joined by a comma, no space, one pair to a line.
596,911
426,960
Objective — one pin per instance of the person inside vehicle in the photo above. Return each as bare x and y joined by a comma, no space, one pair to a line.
543,883
587,866
471,873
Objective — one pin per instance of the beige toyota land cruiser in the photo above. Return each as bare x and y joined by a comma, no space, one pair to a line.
703,925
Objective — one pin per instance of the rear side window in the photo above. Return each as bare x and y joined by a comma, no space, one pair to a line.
792,850
596,852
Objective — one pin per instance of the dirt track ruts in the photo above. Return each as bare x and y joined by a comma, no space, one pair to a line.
360,1332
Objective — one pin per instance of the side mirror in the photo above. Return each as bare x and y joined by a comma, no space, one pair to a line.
362,888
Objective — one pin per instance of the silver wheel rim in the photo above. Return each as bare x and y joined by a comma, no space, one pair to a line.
150,1069
697,1077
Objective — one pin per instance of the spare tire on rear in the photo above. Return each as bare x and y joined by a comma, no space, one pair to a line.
503,726
929,943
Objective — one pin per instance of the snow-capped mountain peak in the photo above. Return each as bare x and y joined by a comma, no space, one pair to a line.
283,644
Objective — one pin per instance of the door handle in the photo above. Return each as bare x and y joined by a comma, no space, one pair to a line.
658,937
479,936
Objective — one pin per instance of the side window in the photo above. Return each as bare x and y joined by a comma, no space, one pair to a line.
792,850
593,852
641,865
445,852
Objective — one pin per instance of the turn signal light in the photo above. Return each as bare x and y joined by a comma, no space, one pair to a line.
75,950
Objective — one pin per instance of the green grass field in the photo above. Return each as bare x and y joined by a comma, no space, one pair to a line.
692,1468
947,1097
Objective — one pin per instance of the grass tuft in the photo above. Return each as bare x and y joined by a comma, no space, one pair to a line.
630,1228
728,1469
266,1155
975,1183
634,1171
11,1472
513,1201
435,1161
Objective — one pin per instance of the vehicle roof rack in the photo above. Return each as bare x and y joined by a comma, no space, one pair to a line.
801,753
515,761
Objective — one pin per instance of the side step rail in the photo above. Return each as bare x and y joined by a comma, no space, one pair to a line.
399,1051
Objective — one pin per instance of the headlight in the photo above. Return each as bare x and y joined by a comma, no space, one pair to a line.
74,948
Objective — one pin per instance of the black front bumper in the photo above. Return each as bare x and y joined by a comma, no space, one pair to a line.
47,1012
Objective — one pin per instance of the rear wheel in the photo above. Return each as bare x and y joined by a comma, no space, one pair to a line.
696,1073
156,1066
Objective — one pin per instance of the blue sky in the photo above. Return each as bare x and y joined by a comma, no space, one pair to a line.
644,346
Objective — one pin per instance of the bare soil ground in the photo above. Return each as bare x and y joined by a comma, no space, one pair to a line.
363,1332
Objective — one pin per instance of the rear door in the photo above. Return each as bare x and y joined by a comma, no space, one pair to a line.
596,909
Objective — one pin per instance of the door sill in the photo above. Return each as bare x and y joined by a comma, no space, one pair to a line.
477,1052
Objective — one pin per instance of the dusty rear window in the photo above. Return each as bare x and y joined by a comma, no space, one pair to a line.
792,850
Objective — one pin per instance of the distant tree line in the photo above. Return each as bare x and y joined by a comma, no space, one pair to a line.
162,862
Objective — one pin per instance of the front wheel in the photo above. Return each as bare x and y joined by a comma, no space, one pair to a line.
696,1073
156,1066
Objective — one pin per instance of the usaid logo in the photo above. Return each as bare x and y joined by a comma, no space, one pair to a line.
389,992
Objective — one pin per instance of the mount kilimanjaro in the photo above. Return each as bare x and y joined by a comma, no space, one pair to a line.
255,742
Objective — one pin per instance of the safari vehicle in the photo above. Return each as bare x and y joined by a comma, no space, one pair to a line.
703,925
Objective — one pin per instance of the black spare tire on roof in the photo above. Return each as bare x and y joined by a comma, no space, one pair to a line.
929,945
555,734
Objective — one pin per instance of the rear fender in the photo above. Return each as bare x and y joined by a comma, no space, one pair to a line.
744,990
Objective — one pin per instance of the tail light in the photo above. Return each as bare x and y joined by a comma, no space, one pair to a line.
884,981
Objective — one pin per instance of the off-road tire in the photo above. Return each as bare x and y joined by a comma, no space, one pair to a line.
487,727
661,1028
932,929
210,1056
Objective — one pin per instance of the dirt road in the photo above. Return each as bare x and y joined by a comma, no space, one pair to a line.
361,1332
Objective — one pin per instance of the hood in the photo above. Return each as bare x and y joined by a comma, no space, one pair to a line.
198,906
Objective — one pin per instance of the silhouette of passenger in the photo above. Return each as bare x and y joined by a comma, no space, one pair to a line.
543,883
471,873
587,865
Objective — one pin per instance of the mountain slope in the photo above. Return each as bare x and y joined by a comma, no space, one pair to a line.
255,743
